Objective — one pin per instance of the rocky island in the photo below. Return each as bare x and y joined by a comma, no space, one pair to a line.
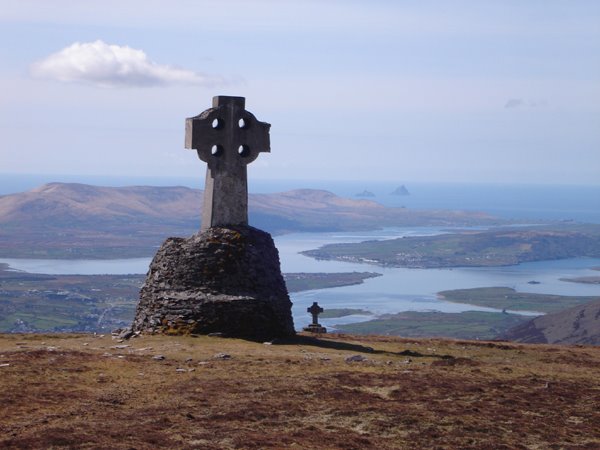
400,190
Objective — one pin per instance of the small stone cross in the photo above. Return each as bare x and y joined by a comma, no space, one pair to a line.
227,138
315,310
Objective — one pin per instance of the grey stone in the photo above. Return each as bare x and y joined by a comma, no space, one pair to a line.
355,358
158,357
222,356
227,138
126,333
225,280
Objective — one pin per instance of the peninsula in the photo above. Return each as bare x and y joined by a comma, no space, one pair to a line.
499,247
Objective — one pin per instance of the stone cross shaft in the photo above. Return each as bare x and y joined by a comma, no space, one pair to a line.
227,138
315,310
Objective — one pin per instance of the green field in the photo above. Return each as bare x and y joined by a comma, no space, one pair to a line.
507,298
297,282
101,303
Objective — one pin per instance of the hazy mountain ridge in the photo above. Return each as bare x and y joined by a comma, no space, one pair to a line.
78,220
81,202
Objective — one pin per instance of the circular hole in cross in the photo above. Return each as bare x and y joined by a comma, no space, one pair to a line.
243,151
217,123
242,123
216,150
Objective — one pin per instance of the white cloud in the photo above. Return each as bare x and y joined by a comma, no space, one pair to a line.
107,65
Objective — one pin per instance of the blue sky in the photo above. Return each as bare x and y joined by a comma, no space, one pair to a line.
469,91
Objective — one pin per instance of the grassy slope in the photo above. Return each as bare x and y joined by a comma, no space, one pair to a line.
465,325
83,392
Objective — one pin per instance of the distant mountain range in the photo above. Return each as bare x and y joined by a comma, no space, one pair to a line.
84,221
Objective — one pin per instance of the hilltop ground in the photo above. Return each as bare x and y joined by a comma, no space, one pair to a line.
86,391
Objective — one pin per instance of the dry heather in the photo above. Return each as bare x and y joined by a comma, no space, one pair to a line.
84,391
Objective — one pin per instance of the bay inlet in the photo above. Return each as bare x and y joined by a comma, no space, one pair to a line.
397,290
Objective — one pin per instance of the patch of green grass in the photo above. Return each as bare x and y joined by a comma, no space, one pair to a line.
297,282
508,298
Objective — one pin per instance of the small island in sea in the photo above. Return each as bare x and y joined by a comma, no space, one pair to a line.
400,190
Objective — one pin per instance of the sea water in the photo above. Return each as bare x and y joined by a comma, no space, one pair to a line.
397,290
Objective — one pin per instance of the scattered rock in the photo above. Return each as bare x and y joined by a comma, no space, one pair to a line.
126,333
120,347
355,358
215,334
222,356
180,370
158,357
4,365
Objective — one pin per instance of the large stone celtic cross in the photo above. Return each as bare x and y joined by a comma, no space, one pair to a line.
227,138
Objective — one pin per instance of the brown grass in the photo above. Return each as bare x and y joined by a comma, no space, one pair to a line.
58,392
